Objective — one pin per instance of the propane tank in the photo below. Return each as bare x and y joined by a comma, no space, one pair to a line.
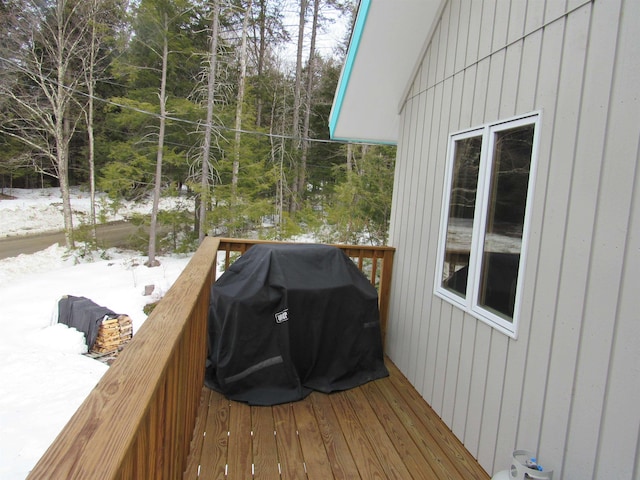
524,466
502,475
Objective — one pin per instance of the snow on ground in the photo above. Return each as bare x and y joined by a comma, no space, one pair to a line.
36,211
43,376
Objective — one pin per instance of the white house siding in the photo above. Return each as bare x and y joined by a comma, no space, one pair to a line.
569,387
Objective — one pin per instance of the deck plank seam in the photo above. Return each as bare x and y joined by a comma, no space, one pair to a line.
449,446
383,429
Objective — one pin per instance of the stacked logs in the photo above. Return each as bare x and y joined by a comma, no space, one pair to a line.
113,334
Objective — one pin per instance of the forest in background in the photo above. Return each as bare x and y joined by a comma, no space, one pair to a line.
225,102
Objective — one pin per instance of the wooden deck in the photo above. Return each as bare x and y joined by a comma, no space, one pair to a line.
383,429
138,420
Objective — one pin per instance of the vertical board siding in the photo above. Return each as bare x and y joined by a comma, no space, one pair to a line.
560,238
548,220
517,17
492,408
535,16
607,253
443,33
434,100
441,142
569,386
477,388
508,98
618,450
395,231
462,35
419,353
418,179
487,27
452,39
450,389
404,288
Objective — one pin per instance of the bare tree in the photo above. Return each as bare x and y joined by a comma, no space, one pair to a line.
153,228
350,155
297,98
89,72
278,155
39,84
269,32
240,100
101,16
205,195
262,48
302,171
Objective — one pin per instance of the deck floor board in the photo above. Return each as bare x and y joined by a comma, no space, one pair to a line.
265,448
381,430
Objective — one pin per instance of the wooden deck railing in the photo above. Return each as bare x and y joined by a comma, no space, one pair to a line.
138,421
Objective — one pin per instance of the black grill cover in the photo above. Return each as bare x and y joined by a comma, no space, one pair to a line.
288,319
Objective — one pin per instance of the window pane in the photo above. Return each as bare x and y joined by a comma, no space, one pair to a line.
505,219
464,185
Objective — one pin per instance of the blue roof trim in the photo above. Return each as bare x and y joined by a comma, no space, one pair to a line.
345,76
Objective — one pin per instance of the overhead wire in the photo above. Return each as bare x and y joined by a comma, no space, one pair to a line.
198,123
214,126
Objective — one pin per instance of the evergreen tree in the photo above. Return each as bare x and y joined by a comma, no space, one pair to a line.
361,206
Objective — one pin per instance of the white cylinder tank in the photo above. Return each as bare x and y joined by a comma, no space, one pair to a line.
524,466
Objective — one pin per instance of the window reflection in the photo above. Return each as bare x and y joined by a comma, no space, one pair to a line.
505,219
464,185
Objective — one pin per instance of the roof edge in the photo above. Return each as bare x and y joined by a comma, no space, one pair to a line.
343,82
365,141
420,57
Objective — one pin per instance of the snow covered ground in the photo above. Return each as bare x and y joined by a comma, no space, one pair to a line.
37,211
43,375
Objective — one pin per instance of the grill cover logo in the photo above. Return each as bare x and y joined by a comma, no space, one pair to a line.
282,316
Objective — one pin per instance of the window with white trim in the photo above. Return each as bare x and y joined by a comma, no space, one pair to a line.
481,253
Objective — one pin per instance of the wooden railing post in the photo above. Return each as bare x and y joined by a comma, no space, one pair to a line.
384,291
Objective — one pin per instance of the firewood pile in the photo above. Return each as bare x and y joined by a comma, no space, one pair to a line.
113,334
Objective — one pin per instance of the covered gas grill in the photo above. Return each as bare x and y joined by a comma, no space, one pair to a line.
288,319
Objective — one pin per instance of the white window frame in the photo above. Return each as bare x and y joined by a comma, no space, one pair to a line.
470,303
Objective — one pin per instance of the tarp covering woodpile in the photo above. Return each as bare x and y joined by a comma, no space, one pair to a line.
288,319
104,330
84,315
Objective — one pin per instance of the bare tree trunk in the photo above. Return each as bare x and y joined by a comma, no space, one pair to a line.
63,176
89,71
280,159
241,83
349,157
360,168
62,128
293,206
101,18
302,172
262,48
152,262
205,194
297,95
92,168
